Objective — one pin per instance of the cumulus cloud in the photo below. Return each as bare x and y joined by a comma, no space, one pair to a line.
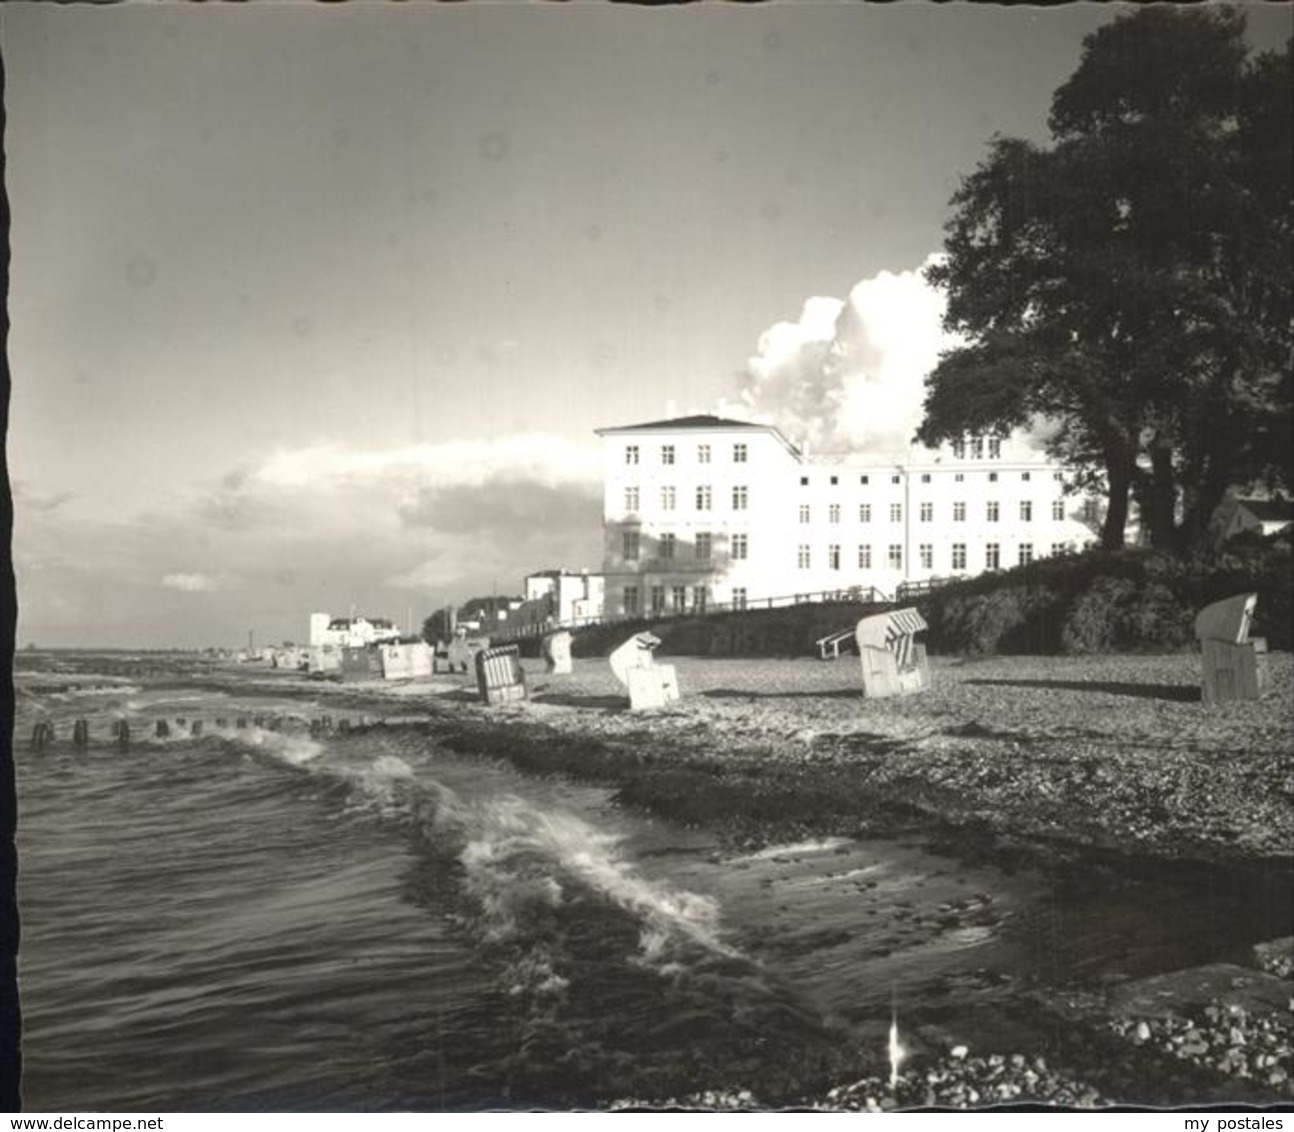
521,509
848,375
393,532
541,457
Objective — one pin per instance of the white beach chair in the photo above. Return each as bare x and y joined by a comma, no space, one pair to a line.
649,684
893,661
557,653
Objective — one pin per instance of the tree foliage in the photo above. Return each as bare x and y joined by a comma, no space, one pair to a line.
1129,281
436,626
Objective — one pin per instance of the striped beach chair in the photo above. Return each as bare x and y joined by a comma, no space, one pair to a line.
499,676
893,660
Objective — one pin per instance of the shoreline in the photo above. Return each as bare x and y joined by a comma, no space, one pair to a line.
1082,767
1086,765
1053,757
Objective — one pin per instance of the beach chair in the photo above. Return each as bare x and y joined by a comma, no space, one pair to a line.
355,665
499,676
440,658
324,659
1234,666
893,661
649,684
556,648
463,649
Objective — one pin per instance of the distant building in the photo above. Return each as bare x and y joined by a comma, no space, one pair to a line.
350,632
1263,517
700,510
567,596
485,616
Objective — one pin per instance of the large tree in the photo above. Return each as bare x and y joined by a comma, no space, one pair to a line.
1129,282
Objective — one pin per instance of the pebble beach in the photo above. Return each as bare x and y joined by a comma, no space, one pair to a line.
1037,759
1114,752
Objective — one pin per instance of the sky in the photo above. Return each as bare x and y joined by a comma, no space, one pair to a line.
317,307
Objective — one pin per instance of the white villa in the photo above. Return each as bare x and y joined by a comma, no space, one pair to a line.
701,510
350,632
570,596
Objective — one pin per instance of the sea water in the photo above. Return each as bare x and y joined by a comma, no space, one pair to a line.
262,919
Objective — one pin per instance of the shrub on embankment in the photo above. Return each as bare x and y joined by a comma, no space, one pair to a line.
1098,601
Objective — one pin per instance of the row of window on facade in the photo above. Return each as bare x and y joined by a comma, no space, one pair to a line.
976,447
739,550
704,498
926,511
738,545
668,453
925,556
679,599
926,477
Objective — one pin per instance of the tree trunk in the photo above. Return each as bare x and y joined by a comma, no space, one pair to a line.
1119,474
1159,503
1195,532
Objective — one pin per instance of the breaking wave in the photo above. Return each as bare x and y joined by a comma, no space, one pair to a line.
521,864
517,858
797,849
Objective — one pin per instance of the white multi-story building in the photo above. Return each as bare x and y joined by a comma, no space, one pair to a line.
701,511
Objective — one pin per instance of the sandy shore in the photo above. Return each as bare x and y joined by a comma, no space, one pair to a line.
1089,753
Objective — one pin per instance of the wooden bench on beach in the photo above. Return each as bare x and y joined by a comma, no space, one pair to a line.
650,685
893,661
1234,666
829,646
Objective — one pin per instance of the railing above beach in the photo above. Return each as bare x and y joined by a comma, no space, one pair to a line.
908,590
858,595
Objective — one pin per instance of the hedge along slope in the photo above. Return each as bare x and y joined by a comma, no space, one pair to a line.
791,631
1126,601
1129,601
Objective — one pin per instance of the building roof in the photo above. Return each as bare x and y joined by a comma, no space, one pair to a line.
702,421
1268,510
